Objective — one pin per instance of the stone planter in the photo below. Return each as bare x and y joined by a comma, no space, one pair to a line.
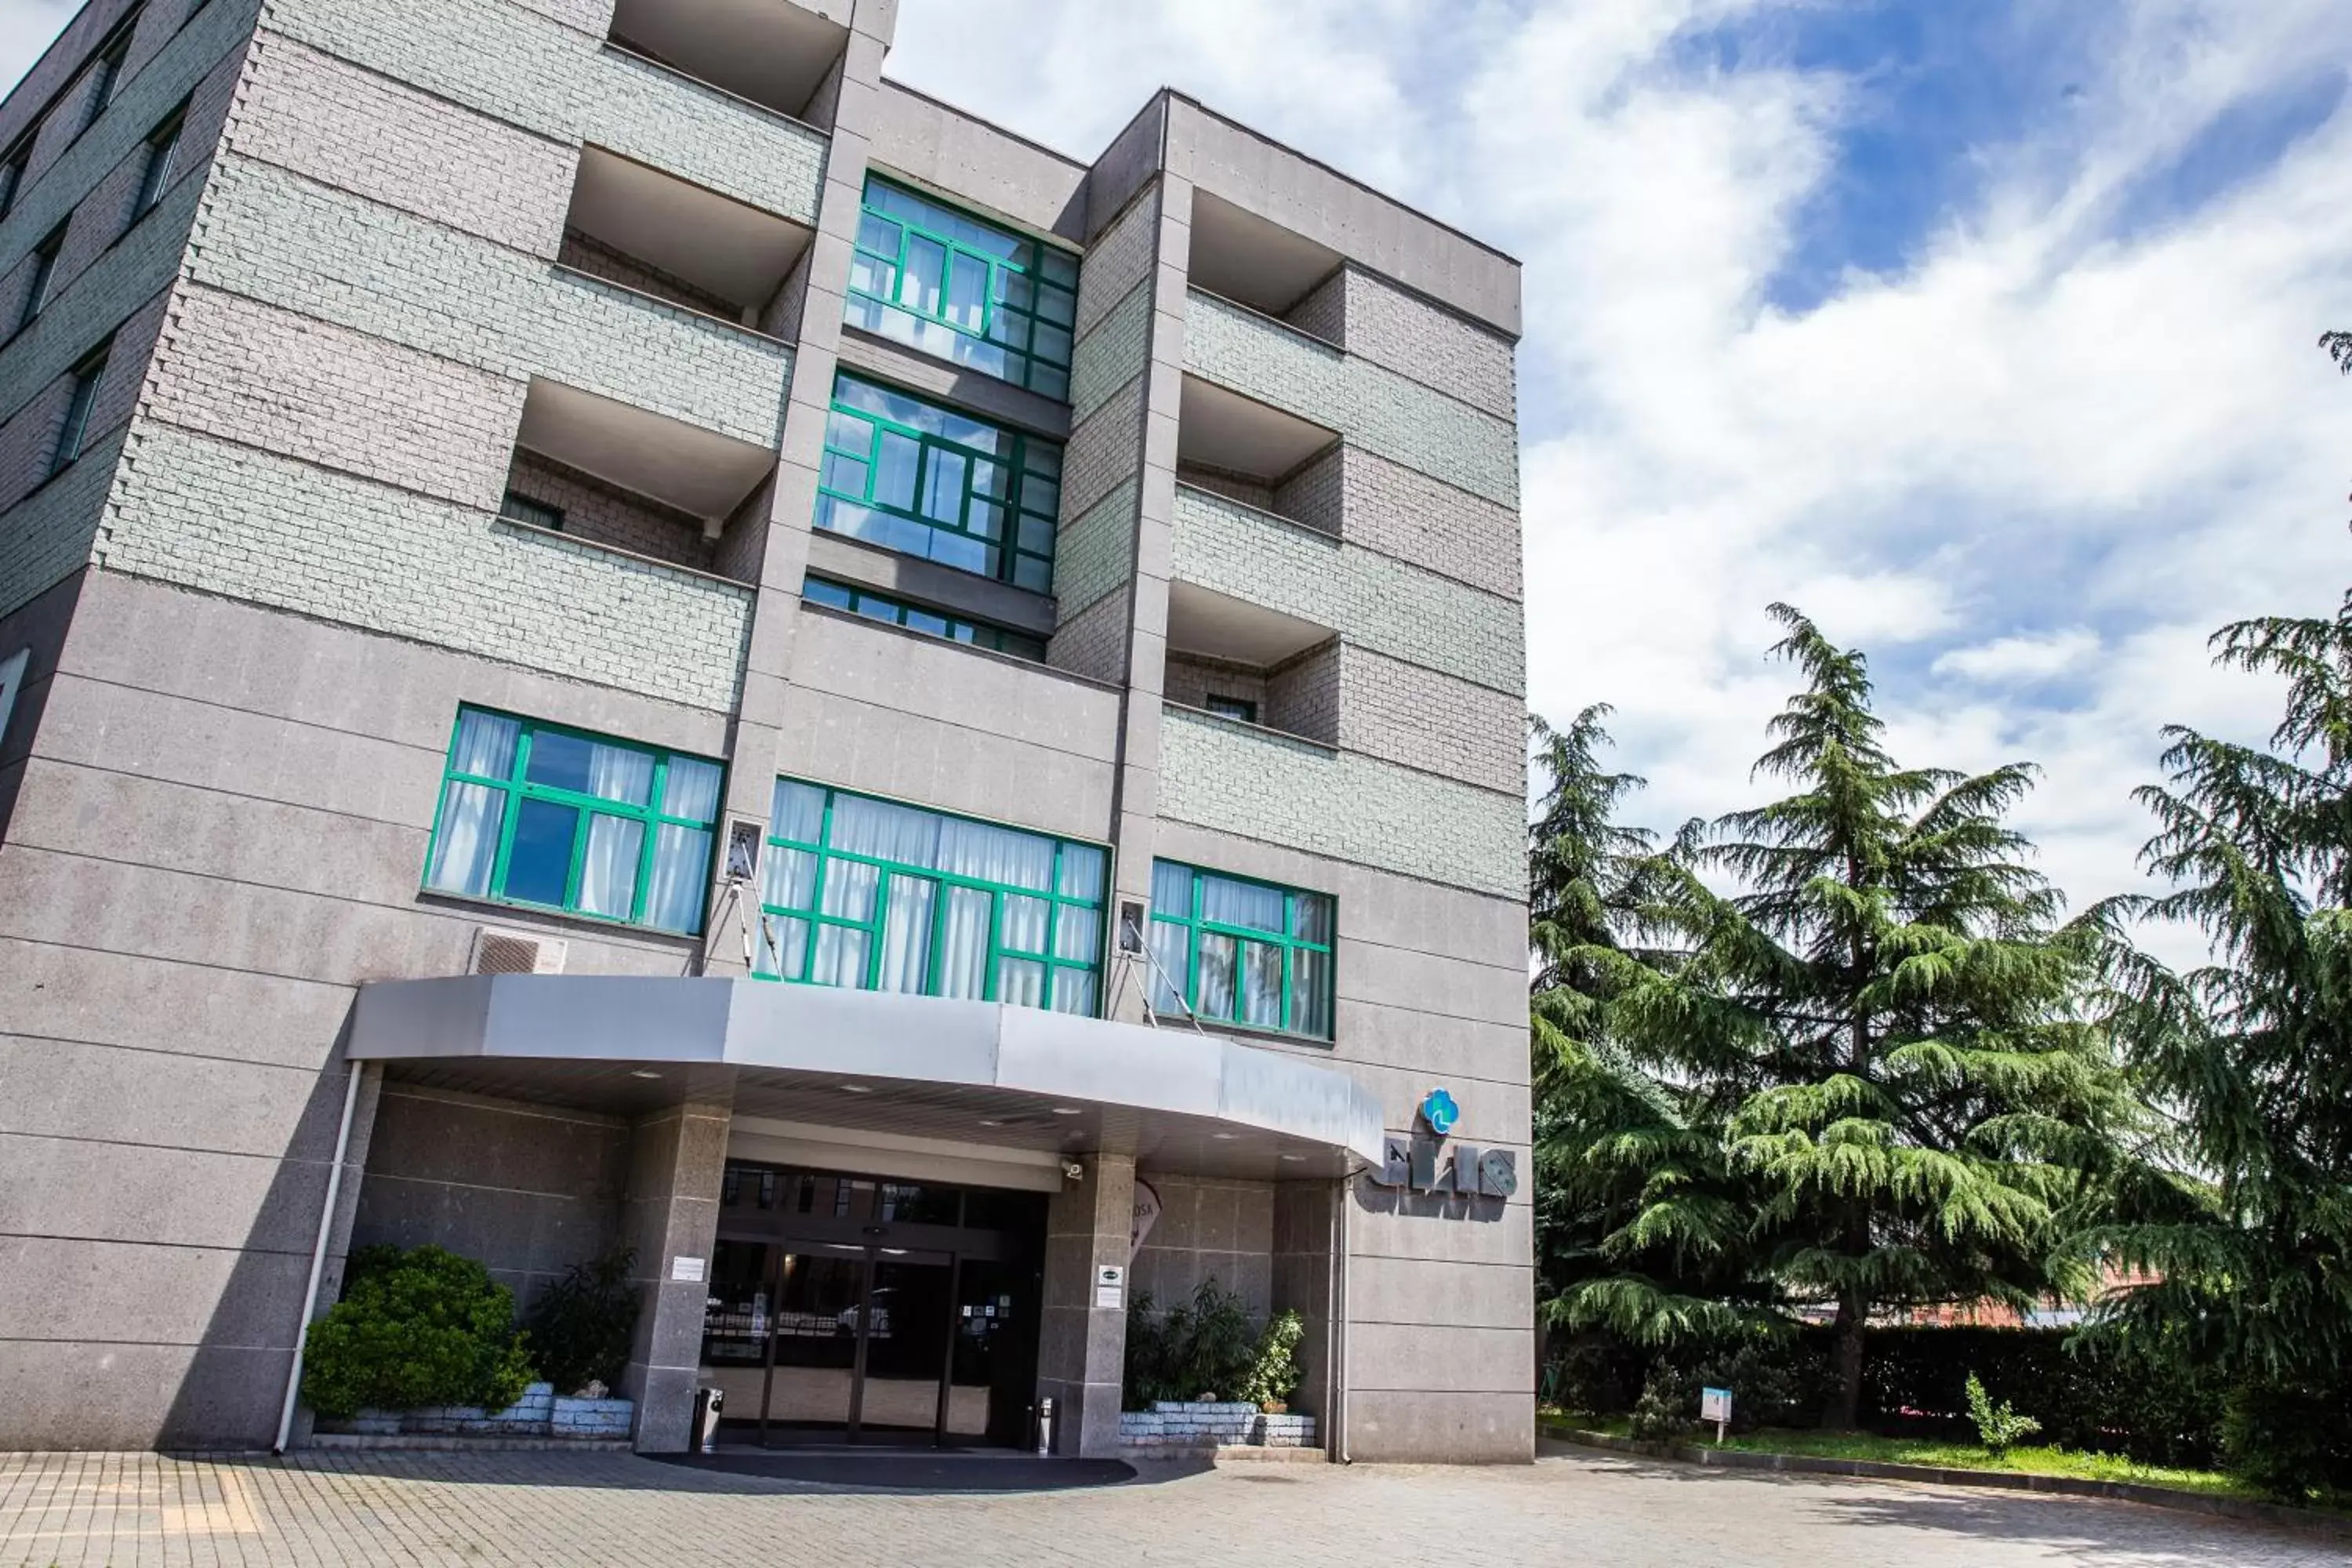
1189,1425
539,1413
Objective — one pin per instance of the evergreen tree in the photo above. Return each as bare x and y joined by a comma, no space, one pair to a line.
2251,1056
1879,1018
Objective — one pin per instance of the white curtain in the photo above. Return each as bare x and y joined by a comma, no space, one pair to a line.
1074,991
1261,982
473,814
1167,951
840,956
1241,904
886,832
1310,986
797,813
691,790
1079,935
1023,927
1215,999
608,876
907,934
963,966
681,871
1082,872
1171,889
616,772
994,854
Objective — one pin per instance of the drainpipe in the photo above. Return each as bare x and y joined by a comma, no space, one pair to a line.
1336,1323
352,1071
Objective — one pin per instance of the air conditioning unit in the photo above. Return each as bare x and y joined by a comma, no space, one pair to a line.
514,952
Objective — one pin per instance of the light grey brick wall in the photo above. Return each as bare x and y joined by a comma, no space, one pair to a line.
47,537
1389,508
1231,778
1093,643
333,122
229,520
1112,354
1234,487
1407,714
1103,451
250,373
1393,326
1095,553
605,514
1121,258
1303,694
500,59
57,184
594,17
585,253
1368,598
1191,680
1323,312
1371,404
277,238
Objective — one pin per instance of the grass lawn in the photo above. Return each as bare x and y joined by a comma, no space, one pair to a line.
1949,1456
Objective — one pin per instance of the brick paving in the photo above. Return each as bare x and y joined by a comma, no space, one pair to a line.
128,1511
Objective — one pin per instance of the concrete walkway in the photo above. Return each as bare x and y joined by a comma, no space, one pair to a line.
128,1511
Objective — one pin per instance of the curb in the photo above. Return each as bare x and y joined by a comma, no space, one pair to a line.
1936,1475
456,1443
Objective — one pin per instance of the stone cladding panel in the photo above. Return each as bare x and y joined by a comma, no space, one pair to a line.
1232,778
252,526
1368,598
499,59
273,237
1369,404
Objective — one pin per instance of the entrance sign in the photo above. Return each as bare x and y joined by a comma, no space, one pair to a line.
1111,1285
1147,1215
689,1271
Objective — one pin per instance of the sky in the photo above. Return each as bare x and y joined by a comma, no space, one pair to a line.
1982,331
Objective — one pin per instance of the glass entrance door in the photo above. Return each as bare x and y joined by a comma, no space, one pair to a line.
905,1346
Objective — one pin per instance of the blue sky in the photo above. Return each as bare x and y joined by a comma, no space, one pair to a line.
1982,329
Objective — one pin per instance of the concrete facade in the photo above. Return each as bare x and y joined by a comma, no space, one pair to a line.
411,261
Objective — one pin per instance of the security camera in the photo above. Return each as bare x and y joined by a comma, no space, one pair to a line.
1072,1170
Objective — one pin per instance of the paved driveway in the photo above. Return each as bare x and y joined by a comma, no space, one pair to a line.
128,1510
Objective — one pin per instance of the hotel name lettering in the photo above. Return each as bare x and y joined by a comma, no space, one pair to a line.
1423,1162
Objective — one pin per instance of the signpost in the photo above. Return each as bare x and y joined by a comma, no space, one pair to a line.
1715,1404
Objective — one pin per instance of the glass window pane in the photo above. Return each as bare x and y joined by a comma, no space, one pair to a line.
849,889
927,263
896,470
1078,934
691,790
848,433
1011,329
484,745
797,812
990,477
1310,915
817,591
986,520
1218,962
1035,574
1014,288
963,963
1310,993
1082,872
608,872
1036,535
791,878
589,767
943,484
1051,343
1171,889
877,234
1059,306
888,832
1261,982
1233,903
967,292
844,474
1074,991
916,620
468,847
1169,965
1021,983
538,867
1049,382
907,934
840,957
681,875
1057,266
871,275
1003,855
783,947
1024,925
1042,458
1040,495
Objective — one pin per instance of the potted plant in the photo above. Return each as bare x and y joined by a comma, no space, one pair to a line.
416,1331
1273,1375
581,1327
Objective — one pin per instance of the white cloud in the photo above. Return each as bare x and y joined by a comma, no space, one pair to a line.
25,28
2034,656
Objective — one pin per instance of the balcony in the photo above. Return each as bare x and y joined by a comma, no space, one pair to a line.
1251,664
677,241
1258,263
777,54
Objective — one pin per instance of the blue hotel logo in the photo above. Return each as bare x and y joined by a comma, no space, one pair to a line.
1413,1162
1440,1112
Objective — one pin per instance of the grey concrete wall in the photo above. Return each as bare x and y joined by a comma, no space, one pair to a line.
1209,1228
526,1190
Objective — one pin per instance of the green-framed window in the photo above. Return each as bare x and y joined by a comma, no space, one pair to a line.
877,896
924,481
1244,951
956,286
536,814
915,618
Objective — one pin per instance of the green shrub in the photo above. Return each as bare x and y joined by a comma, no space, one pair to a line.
1202,1349
415,1329
1273,1376
1669,1408
2290,1442
583,1323
1999,1426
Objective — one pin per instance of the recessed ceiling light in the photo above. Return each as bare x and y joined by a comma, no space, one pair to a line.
1224,1137
855,1088
641,1072
990,1121
1294,1158
1067,1111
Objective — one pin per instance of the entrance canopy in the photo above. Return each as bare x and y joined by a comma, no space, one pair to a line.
976,1072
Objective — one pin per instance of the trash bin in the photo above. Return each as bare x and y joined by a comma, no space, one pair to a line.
709,1402
1045,1425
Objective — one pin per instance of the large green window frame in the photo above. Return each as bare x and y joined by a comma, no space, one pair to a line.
924,481
877,896
560,820
951,285
915,618
1242,952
